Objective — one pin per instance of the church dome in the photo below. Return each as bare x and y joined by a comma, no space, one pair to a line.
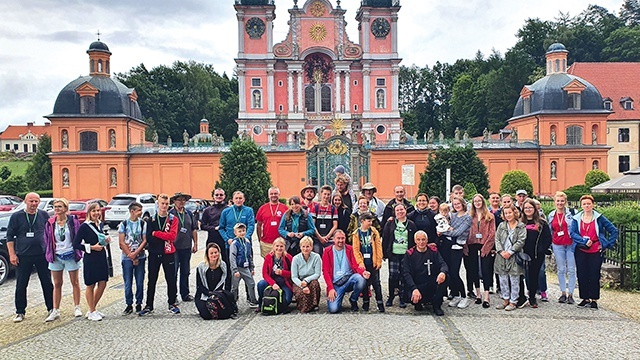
548,95
99,46
555,47
112,98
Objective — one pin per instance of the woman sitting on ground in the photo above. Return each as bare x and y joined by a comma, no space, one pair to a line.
209,278
306,269
276,272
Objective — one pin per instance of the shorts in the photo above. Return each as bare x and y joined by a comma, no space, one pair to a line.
265,248
60,265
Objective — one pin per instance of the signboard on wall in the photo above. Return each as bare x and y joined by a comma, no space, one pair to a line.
408,174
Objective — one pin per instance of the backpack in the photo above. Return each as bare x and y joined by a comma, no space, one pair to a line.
272,301
221,305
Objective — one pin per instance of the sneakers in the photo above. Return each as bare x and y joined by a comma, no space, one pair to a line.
380,306
176,310
402,304
522,303
54,314
584,303
389,302
95,316
128,310
543,296
534,303
365,306
570,299
146,311
594,305
456,247
354,305
187,298
77,312
510,307
253,305
464,303
18,318
562,299
437,311
455,301
491,291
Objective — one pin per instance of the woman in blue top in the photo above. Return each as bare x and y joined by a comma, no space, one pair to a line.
294,225
588,230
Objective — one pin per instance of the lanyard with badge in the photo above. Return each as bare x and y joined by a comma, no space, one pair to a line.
245,249
30,233
61,231
183,229
340,255
366,242
274,221
560,220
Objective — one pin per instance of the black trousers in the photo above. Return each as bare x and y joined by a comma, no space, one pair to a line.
486,263
214,237
456,284
23,273
445,251
168,264
431,292
374,280
532,277
472,267
588,267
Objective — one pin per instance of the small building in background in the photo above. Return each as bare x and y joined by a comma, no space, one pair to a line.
23,138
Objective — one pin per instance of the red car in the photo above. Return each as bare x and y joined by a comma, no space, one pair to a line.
79,207
9,202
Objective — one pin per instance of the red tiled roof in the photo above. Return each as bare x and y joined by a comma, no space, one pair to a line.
614,80
13,132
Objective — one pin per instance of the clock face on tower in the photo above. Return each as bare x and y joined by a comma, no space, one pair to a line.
255,27
380,27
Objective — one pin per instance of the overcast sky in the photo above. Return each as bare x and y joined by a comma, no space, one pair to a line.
43,43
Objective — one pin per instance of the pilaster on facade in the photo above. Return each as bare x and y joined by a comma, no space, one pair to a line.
290,90
366,86
300,104
270,17
271,98
338,107
395,86
242,101
394,34
240,17
347,91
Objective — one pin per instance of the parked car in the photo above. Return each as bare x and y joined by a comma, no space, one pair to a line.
9,202
79,208
5,266
46,204
118,208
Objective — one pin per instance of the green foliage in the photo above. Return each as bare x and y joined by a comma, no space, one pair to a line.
595,177
38,174
244,168
547,206
178,97
5,172
13,185
627,214
465,167
469,191
42,193
515,180
17,167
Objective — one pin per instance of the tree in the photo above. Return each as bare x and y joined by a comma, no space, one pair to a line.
469,191
623,45
465,167
595,177
515,180
5,173
13,185
244,168
38,174
630,12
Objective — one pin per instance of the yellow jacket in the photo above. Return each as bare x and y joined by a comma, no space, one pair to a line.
376,248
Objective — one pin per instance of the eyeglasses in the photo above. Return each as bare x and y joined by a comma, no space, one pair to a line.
218,194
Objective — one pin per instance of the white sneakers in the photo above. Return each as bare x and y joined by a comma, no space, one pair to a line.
455,301
18,318
54,314
77,312
456,247
464,303
94,316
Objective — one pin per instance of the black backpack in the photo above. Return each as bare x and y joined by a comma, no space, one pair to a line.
221,305
272,301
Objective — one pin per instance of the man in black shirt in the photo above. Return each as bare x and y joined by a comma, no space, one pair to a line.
425,273
210,223
25,242
186,241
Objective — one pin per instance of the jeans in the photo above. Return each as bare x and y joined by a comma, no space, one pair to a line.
183,265
566,263
168,264
288,293
356,284
23,273
129,272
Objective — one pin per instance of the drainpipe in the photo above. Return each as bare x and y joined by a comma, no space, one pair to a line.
539,155
128,157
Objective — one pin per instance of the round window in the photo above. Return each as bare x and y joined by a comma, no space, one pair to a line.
318,131
380,129
257,130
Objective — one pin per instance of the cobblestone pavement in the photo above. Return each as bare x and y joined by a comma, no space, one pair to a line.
553,330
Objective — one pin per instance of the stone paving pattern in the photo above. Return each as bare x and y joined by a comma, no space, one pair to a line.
554,330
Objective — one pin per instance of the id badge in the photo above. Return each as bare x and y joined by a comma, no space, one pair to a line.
586,238
560,233
30,234
274,223
323,226
183,230
340,273
246,264
275,267
367,256
478,236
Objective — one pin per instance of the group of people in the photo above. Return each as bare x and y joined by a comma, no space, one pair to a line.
343,238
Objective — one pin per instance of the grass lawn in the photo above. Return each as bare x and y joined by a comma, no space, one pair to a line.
16,167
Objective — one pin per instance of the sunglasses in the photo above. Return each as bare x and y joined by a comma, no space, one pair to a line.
218,194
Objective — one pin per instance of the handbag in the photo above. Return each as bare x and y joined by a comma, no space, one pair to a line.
522,259
102,238
342,280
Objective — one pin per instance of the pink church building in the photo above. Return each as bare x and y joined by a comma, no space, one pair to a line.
296,89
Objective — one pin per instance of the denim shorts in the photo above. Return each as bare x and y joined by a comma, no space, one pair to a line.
59,265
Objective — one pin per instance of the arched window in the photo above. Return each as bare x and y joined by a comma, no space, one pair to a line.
88,141
574,135
92,65
326,98
557,69
99,65
309,98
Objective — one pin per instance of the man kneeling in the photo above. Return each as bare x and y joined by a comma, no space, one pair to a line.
425,273
342,273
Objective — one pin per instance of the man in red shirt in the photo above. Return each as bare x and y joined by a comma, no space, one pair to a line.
268,220
325,217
